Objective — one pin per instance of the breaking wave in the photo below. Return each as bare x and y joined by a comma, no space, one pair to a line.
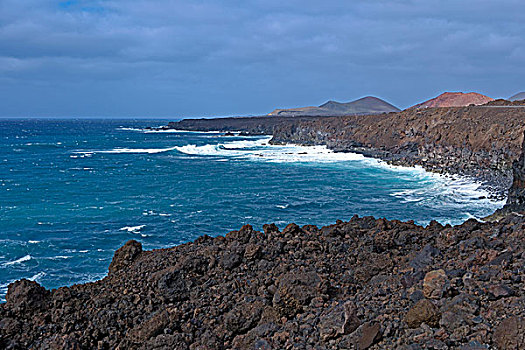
127,150
261,150
18,261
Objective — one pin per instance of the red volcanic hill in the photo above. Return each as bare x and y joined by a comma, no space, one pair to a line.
455,99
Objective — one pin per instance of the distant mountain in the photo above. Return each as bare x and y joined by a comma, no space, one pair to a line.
455,99
518,97
362,106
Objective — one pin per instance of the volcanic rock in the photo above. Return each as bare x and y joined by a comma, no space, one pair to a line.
510,333
339,320
25,293
369,335
125,256
435,284
342,286
295,290
423,311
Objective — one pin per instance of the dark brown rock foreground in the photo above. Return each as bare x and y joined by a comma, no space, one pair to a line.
367,283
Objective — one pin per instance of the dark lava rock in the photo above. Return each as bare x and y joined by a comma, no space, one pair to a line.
435,284
510,334
500,291
339,320
369,335
243,317
125,255
295,290
172,285
425,257
25,293
355,284
423,311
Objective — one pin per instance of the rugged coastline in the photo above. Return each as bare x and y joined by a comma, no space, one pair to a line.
366,283
480,142
363,284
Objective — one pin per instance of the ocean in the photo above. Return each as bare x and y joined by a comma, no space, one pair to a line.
73,191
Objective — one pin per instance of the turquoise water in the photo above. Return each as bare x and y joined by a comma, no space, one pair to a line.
73,191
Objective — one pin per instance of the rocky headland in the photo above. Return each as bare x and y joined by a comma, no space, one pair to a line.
365,283
480,142
476,141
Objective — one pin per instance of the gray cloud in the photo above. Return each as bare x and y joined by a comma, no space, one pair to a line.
192,58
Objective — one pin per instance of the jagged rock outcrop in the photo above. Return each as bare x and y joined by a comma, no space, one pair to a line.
248,125
363,284
516,196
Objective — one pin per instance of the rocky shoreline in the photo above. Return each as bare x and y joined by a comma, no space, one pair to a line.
477,141
365,283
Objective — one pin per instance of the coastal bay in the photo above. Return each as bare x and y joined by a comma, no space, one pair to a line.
362,283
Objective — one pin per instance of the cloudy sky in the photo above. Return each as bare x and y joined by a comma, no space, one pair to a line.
168,58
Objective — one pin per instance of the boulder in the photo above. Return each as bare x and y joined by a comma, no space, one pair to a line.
435,284
370,333
510,333
424,311
243,316
172,285
338,320
295,290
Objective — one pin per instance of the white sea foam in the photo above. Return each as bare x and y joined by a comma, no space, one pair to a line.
160,129
18,261
181,131
436,190
126,150
132,229
138,150
450,191
260,150
58,257
37,277
129,129
33,242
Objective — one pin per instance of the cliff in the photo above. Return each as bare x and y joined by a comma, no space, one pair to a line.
365,283
481,142
251,125
477,141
